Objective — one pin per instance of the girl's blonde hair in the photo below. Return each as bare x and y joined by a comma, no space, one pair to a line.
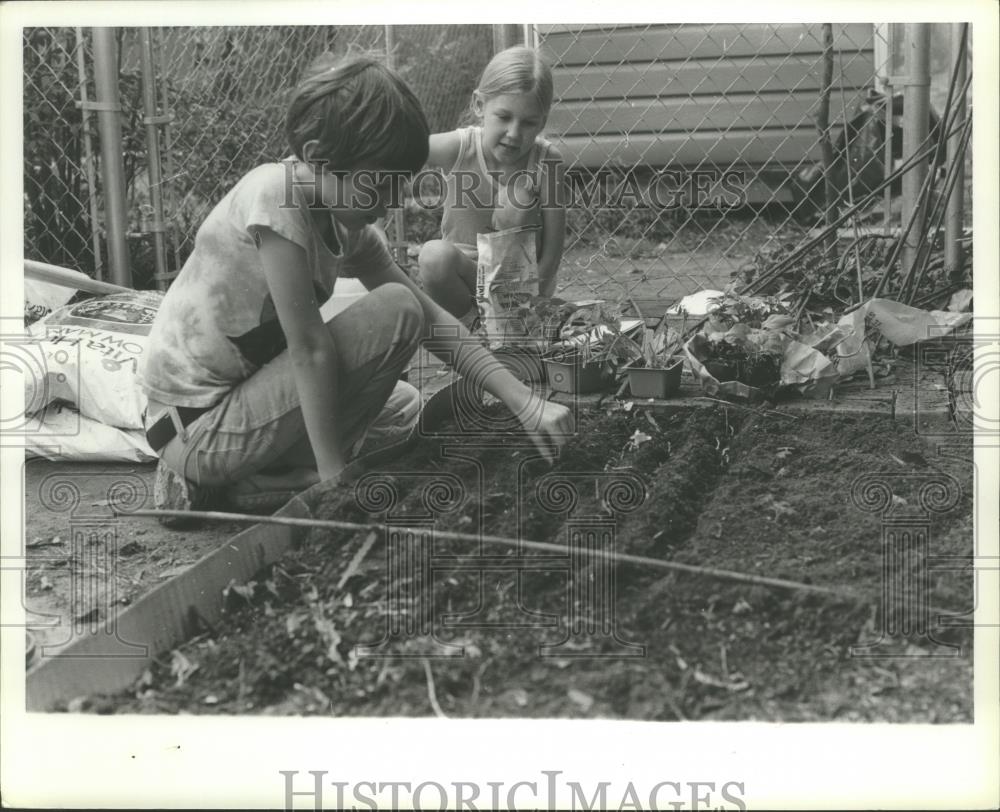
518,70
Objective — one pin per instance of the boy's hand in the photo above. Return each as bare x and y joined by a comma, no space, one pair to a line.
549,430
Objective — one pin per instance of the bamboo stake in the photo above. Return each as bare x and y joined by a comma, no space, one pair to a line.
807,246
956,200
887,159
541,546
57,275
923,196
955,171
830,198
948,118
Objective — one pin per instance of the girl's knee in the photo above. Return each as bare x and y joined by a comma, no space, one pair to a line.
438,261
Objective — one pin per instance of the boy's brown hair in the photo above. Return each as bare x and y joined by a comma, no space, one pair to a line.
361,113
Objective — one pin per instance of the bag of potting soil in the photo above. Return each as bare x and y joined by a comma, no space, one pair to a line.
63,434
41,298
506,281
87,355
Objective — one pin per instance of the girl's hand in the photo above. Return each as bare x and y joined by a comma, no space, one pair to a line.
548,424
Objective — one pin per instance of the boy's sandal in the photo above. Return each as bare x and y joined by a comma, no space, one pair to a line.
171,491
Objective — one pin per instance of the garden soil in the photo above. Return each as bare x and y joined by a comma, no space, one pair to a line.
760,493
69,519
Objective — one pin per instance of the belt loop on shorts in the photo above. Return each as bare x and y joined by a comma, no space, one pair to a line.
172,423
179,427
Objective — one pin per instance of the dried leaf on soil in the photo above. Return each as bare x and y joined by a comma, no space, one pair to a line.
330,636
42,542
181,667
637,439
779,507
516,695
245,591
730,685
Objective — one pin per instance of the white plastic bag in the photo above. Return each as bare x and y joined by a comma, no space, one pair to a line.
901,324
66,435
506,279
90,353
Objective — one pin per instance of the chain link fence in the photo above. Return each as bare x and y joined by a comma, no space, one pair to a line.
722,123
699,142
220,102
223,92
699,151
62,199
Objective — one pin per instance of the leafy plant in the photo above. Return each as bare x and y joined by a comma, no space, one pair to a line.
661,347
594,334
544,316
734,308
745,338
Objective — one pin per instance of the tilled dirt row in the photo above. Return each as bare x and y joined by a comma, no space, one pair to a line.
490,630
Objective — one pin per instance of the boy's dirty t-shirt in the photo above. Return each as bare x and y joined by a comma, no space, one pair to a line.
217,324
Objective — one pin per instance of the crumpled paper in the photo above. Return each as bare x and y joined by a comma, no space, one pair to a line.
695,304
806,365
803,368
900,324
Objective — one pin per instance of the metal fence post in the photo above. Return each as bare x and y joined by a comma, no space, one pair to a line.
398,222
883,84
108,106
956,201
168,162
506,36
916,107
88,157
155,178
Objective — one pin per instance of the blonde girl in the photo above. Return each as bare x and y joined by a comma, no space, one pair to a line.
500,173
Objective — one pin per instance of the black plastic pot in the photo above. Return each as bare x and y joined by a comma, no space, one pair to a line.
567,374
722,371
761,372
655,383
